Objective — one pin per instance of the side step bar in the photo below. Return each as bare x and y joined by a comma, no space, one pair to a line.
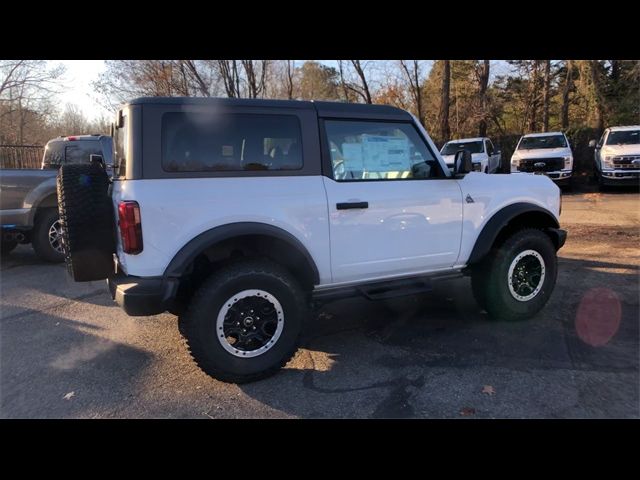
385,289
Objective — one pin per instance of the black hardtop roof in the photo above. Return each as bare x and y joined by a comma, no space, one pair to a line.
323,108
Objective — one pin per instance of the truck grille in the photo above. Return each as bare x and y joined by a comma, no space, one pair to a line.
552,164
626,162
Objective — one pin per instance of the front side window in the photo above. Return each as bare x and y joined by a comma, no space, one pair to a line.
78,152
624,137
201,142
378,151
452,147
544,141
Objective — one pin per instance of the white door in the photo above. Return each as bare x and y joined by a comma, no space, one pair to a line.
391,209
494,159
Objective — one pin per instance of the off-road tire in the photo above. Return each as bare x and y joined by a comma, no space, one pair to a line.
198,323
492,286
40,236
87,217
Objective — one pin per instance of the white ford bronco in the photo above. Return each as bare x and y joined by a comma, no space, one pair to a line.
239,215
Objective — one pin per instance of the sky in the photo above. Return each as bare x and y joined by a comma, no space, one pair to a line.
76,86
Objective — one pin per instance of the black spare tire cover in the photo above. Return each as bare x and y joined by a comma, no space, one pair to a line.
87,218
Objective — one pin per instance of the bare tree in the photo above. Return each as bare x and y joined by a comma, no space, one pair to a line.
255,74
545,95
568,83
228,70
290,71
363,89
445,132
594,70
482,75
413,74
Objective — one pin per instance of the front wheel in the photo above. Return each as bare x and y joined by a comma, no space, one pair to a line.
243,323
520,276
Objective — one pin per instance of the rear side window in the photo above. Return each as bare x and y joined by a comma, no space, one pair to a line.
54,154
78,152
201,142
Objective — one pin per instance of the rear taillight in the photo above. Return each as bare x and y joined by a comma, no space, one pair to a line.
130,226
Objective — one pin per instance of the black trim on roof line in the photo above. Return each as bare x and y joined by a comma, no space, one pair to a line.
323,108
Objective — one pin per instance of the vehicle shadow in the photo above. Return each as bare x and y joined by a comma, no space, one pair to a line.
431,358
75,372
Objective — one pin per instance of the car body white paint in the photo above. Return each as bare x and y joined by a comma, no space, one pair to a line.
488,163
544,153
411,226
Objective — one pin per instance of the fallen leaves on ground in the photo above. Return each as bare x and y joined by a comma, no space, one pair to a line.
467,411
69,395
489,390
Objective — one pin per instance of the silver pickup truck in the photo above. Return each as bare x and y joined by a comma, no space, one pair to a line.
28,197
29,212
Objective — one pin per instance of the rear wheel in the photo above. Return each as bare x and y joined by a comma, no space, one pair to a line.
519,276
243,323
47,237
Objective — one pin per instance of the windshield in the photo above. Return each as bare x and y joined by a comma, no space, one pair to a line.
452,147
624,137
547,141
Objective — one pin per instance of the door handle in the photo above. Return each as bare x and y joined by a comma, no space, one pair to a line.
350,205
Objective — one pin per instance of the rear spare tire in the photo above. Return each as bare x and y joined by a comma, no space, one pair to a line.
87,218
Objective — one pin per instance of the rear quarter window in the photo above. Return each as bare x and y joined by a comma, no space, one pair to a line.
203,142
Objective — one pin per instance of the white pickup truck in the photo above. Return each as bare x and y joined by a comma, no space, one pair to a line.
484,156
239,214
545,153
617,156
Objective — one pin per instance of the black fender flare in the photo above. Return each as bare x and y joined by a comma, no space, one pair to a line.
198,244
500,219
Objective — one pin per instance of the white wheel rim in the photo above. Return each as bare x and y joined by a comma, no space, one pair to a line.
525,285
244,324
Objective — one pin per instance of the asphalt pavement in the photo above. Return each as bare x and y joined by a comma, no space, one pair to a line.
67,351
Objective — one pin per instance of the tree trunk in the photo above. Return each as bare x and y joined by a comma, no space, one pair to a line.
444,101
483,84
599,98
565,95
291,66
545,95
534,81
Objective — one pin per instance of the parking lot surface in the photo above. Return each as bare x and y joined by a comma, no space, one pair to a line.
67,351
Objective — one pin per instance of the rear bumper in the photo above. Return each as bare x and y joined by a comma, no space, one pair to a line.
140,296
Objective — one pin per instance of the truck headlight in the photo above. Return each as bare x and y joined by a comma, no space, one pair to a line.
477,167
568,162
607,162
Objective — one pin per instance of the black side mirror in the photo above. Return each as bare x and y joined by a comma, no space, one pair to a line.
462,162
